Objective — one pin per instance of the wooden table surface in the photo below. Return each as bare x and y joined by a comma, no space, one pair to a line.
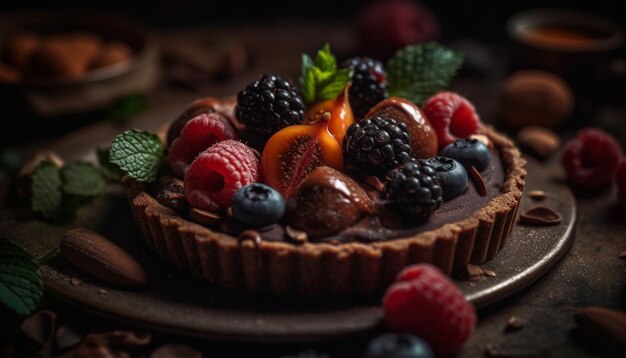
590,275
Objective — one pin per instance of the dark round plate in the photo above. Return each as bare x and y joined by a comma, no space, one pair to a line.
176,302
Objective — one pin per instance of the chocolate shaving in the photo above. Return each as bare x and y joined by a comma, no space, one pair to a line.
540,215
205,218
375,183
513,324
478,180
297,236
175,351
475,272
605,328
489,273
66,338
537,195
76,281
40,326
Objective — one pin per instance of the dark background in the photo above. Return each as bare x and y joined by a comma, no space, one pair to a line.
464,18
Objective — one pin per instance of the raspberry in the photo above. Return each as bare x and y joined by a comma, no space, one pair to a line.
198,134
427,304
217,173
620,176
452,116
591,158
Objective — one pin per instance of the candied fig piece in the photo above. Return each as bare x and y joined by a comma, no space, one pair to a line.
423,136
341,116
327,202
294,151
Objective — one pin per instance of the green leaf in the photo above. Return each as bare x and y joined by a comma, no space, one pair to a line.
124,108
138,154
47,198
109,170
419,71
82,179
21,286
320,79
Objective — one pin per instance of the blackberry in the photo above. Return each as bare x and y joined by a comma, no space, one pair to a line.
413,189
369,85
268,105
377,144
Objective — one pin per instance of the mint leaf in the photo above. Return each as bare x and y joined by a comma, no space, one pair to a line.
21,287
109,170
138,154
82,179
320,79
124,108
47,198
418,71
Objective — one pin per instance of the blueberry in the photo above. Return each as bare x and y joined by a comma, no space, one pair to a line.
391,345
257,205
469,152
452,175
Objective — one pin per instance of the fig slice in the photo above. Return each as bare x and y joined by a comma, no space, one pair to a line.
424,143
341,116
293,152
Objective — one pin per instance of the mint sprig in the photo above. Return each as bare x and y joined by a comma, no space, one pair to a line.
46,185
138,154
82,179
109,170
321,79
416,72
21,286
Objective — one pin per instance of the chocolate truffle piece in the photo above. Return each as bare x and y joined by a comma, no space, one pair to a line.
535,98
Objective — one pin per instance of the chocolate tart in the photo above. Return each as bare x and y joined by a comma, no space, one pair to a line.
333,267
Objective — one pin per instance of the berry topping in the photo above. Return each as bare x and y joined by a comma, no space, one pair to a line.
402,345
369,84
469,152
620,176
224,106
340,114
591,158
423,136
426,303
451,174
217,173
377,144
452,115
295,151
198,134
413,189
268,105
257,205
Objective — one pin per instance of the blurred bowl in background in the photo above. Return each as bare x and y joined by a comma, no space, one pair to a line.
576,45
48,96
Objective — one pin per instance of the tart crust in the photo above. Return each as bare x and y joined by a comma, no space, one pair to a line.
336,269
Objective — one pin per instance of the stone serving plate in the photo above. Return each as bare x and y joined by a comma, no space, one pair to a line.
177,302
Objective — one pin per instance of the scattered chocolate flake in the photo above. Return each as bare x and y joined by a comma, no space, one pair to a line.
478,180
251,235
622,255
205,218
513,324
540,215
96,345
537,195
475,272
66,338
482,138
375,183
603,327
102,291
40,326
489,273
297,236
174,351
127,339
76,281
495,352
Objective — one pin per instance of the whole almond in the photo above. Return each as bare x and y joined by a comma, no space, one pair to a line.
605,327
539,141
94,254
